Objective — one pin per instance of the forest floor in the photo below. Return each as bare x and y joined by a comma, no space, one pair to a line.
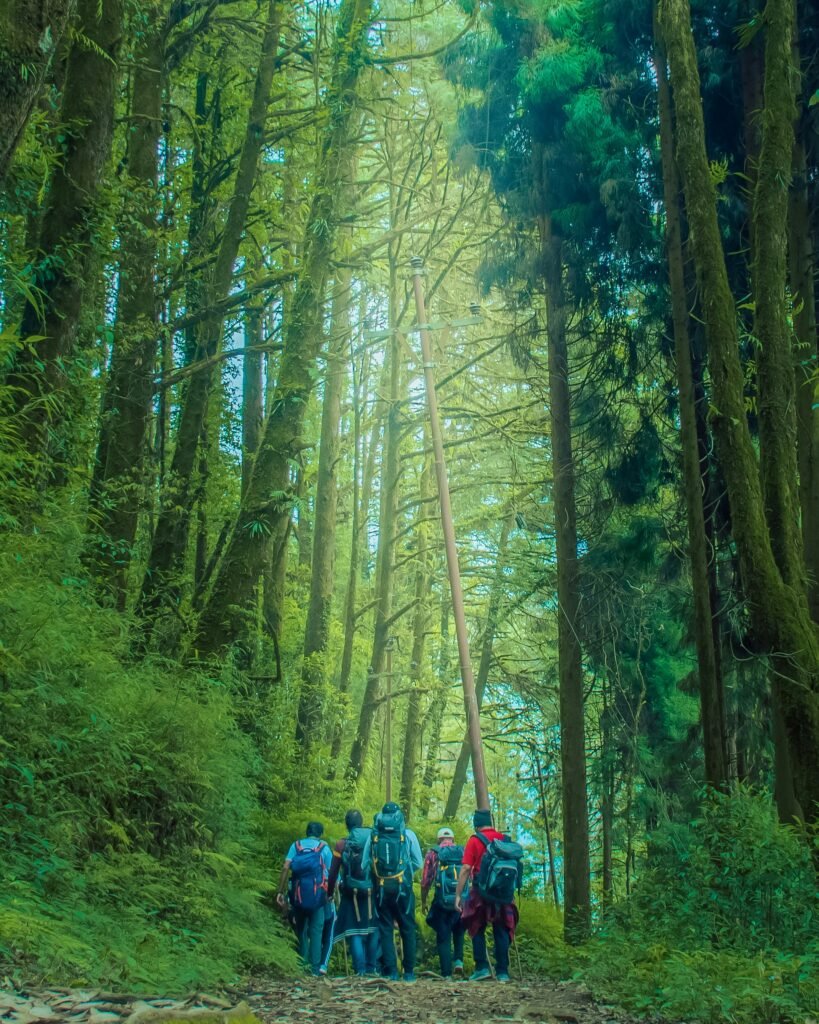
325,1001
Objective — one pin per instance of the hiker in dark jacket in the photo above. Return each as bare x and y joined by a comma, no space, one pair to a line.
478,914
395,855
307,865
440,875
356,920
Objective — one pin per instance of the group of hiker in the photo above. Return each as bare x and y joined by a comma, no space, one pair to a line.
464,890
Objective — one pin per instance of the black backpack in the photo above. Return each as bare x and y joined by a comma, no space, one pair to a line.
450,859
355,874
389,851
501,870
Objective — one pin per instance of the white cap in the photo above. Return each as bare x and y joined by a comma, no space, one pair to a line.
446,833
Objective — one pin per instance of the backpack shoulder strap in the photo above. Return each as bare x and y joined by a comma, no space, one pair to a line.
483,839
298,846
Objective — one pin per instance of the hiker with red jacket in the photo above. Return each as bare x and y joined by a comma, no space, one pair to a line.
493,865
440,876
308,865
357,921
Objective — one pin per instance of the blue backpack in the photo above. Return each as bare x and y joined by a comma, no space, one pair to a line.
450,859
308,877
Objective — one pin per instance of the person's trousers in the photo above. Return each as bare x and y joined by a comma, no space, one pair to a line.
364,952
502,943
397,909
449,936
309,929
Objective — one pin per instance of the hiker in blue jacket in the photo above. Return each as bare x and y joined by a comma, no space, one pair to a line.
394,855
307,865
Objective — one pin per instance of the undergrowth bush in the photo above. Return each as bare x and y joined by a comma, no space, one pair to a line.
722,925
132,848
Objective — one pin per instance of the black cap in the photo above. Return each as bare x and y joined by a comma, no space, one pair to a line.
482,818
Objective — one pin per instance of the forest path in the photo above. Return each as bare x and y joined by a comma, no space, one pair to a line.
430,1000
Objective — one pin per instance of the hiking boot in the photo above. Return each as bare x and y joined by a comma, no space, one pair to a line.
458,967
482,974
410,978
393,976
502,976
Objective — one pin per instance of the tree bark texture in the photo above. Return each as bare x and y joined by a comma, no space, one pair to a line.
43,368
576,886
314,676
265,511
30,33
712,702
776,599
434,723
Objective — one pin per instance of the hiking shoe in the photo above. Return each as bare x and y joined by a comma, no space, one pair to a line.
322,972
502,976
392,976
410,978
458,967
481,974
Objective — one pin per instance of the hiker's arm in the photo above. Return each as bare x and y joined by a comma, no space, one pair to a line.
463,878
426,880
332,877
283,883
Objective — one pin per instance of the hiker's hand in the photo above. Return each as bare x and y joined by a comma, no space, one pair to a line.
459,904
280,899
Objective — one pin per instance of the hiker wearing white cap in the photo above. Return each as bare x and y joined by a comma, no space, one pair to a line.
441,868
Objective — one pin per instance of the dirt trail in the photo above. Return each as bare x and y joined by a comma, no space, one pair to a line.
430,1000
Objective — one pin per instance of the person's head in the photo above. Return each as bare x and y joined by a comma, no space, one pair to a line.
446,835
482,818
314,830
353,819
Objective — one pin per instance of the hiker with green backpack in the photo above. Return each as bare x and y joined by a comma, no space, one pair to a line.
357,922
394,854
442,867
494,866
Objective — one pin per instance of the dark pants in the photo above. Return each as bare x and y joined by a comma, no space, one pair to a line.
309,926
449,936
397,909
502,942
364,951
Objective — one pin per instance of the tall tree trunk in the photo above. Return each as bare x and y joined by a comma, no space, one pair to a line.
453,801
412,733
384,560
42,370
322,581
776,599
252,391
162,584
434,724
267,501
31,31
576,888
802,271
119,474
712,701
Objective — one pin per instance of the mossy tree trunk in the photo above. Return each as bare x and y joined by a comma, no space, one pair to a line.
118,483
265,512
712,703
30,33
161,584
771,567
43,370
